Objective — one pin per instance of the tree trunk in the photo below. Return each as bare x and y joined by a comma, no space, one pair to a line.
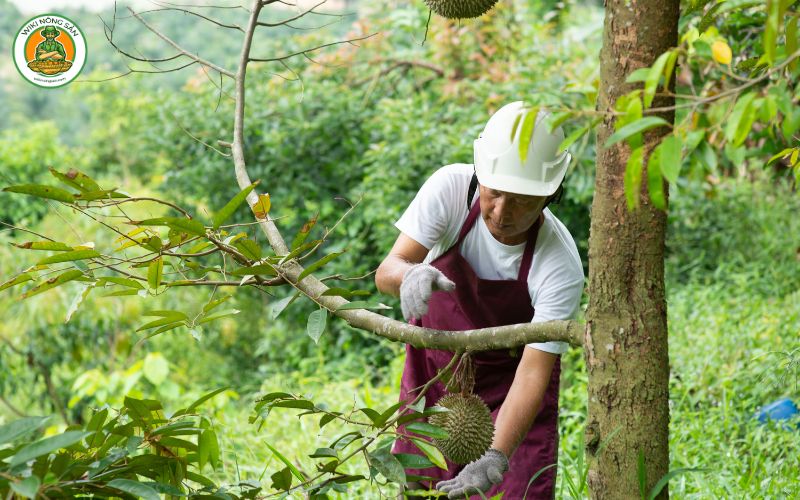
626,335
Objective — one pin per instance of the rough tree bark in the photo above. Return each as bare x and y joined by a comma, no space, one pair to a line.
626,337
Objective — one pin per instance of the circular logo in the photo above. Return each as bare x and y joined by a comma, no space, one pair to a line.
49,50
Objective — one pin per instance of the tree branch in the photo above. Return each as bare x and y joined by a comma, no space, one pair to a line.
183,51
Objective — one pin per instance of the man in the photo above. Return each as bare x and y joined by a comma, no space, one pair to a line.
502,258
50,49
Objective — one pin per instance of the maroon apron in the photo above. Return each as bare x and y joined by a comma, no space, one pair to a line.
479,303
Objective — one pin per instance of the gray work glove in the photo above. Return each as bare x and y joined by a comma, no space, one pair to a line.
477,476
415,290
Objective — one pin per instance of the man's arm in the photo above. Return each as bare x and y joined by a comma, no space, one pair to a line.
405,253
524,399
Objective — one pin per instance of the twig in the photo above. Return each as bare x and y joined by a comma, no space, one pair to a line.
188,54
313,49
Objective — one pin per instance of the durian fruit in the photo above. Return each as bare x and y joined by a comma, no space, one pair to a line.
460,9
468,424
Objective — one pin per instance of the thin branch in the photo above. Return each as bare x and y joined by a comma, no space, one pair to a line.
402,64
11,407
313,49
186,131
299,16
187,11
185,52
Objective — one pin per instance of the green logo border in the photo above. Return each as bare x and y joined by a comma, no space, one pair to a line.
85,50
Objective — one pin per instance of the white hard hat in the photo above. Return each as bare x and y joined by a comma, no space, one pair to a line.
497,160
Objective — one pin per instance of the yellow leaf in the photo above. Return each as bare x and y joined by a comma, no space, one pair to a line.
721,52
261,207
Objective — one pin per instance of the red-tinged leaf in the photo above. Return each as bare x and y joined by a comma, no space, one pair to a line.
262,206
76,179
304,231
44,245
53,282
21,278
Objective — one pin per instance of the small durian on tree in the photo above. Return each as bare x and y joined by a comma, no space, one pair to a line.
460,9
469,427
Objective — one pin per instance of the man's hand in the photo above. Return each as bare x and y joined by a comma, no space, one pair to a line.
418,283
479,475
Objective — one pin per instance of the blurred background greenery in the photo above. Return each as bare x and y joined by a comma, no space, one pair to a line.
371,123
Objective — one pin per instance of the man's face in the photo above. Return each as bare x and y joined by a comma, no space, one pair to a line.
508,216
50,36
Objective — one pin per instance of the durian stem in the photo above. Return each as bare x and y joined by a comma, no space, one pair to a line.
464,374
456,356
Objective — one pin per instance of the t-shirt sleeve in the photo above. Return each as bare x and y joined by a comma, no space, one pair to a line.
432,212
558,302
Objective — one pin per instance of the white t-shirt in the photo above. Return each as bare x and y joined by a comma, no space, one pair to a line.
555,281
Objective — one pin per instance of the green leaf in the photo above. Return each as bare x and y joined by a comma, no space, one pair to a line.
28,487
792,39
641,474
637,127
183,224
161,322
134,488
44,245
76,179
295,472
426,429
316,265
653,77
336,292
208,449
16,280
741,119
120,281
633,178
282,480
69,256
225,212
526,133
656,490
155,272
40,191
258,269
638,75
221,314
430,451
304,231
100,195
669,154
655,182
577,134
78,300
155,368
770,36
316,324
47,445
12,430
279,306
514,126
411,461
53,282
361,304
669,68
249,249
325,453
204,398
388,465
